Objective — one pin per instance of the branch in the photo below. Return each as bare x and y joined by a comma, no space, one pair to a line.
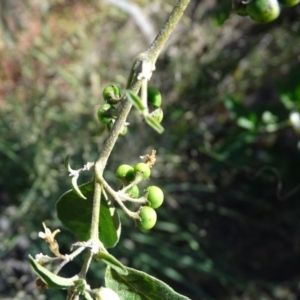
151,54
167,29
134,84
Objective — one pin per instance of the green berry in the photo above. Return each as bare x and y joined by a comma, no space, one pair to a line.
148,216
123,131
153,96
110,125
158,114
125,173
111,94
106,113
289,2
133,192
263,11
142,168
155,196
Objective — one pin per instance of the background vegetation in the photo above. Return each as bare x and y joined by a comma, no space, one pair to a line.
228,160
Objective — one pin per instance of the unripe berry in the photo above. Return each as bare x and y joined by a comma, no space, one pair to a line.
125,173
123,131
133,192
263,11
110,125
289,2
155,196
142,168
106,113
153,96
158,114
148,216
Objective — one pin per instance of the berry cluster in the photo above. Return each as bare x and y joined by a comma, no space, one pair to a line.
107,113
262,11
153,196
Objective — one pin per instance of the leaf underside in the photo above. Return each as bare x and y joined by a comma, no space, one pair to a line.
52,280
138,285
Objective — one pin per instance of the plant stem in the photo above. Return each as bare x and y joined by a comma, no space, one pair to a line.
166,30
86,264
114,134
96,211
152,54
125,106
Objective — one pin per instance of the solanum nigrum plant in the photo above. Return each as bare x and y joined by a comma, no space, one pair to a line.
89,210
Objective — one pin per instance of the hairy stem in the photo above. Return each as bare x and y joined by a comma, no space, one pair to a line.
113,135
152,54
86,264
167,29
94,234
115,195
125,106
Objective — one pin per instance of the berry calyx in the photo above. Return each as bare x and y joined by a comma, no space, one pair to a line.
155,196
142,168
158,114
110,125
133,192
149,218
111,94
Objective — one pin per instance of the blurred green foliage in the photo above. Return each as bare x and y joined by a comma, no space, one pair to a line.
228,160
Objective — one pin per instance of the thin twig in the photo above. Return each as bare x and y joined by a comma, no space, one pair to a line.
115,195
94,234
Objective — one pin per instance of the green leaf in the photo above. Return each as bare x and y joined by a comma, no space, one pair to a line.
138,285
111,261
154,124
135,100
52,280
76,215
87,296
